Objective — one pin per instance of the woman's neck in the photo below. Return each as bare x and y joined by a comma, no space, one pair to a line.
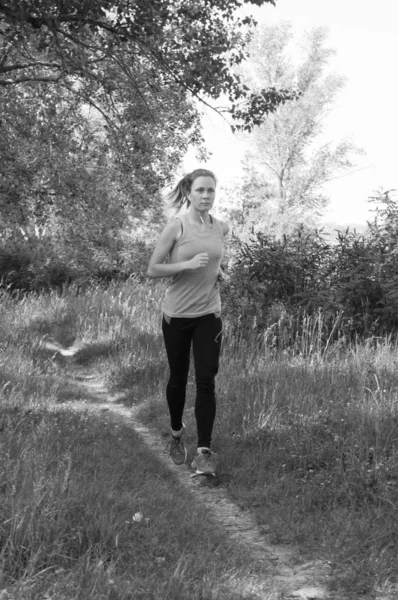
200,217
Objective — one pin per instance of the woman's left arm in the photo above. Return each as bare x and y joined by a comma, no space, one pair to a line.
225,228
223,277
226,255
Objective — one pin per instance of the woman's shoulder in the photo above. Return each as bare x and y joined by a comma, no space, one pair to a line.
174,224
173,228
224,227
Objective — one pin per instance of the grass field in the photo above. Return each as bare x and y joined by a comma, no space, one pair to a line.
307,439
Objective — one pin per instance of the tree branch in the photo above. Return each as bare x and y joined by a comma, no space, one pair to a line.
349,173
4,82
19,66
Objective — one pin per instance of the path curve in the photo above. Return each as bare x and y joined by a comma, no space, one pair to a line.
281,580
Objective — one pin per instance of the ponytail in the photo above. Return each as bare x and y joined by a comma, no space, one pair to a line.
179,194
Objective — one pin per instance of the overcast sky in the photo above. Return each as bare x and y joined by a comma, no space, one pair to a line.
363,33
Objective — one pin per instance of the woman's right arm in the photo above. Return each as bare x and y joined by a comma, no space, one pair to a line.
166,241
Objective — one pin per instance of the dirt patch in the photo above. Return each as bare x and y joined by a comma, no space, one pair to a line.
282,577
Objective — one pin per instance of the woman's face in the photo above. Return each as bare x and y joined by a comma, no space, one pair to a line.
203,192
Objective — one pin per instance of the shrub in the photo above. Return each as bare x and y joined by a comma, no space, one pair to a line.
351,278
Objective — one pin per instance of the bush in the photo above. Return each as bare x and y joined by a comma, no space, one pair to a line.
352,279
33,263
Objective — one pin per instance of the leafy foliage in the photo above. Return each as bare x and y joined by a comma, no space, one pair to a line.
286,155
97,112
153,44
351,278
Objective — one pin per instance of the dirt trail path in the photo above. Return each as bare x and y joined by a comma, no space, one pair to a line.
281,580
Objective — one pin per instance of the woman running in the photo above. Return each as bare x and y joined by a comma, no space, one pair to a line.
191,309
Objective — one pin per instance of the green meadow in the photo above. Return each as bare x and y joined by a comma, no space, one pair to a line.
307,439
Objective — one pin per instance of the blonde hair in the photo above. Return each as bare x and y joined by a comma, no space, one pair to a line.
179,195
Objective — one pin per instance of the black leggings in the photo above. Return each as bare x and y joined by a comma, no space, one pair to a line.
204,334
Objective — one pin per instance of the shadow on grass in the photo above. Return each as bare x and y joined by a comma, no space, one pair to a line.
149,374
135,384
89,353
130,365
146,338
74,391
92,474
60,328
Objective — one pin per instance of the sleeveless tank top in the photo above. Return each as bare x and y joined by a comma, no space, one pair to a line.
194,293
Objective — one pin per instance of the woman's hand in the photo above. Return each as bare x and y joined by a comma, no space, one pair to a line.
198,261
223,277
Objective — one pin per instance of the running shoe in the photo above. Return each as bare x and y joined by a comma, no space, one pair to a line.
177,451
204,462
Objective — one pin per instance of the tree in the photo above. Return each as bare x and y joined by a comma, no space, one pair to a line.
44,126
154,43
54,161
285,149
97,107
137,63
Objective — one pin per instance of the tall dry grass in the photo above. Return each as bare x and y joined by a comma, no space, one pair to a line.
306,429
85,510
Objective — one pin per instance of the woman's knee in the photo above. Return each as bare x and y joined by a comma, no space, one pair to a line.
205,386
177,381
